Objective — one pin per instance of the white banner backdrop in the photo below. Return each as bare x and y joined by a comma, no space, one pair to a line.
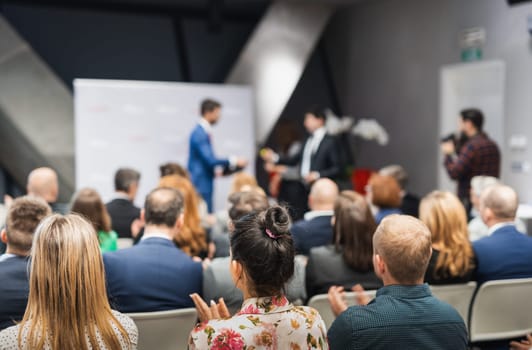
141,124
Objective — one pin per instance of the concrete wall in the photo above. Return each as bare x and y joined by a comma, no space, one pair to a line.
386,57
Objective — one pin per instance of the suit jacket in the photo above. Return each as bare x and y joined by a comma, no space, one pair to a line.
325,160
410,205
122,212
505,254
153,275
14,289
201,163
311,233
326,267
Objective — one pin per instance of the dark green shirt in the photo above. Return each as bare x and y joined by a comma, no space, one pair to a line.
400,317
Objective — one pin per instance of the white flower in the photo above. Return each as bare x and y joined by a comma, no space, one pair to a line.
336,125
371,130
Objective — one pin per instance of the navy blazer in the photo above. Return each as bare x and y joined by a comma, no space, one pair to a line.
14,289
311,233
153,275
505,254
201,163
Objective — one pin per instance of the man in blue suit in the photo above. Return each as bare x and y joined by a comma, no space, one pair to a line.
202,162
24,214
506,253
154,275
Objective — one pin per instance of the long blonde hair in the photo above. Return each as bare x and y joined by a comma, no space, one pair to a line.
67,304
446,219
191,238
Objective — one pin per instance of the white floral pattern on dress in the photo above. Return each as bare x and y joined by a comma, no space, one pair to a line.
267,323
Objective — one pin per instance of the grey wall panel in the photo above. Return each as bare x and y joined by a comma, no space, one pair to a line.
96,44
386,57
36,114
275,56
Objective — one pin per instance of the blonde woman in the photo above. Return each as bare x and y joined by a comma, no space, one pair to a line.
67,304
452,258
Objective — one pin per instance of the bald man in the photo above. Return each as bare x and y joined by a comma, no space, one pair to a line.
315,228
506,252
404,313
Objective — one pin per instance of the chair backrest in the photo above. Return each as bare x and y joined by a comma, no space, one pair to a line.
164,330
458,296
501,310
124,243
321,303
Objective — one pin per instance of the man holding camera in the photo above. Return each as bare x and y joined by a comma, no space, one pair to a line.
478,155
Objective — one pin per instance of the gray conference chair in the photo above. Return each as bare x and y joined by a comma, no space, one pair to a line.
458,296
501,310
321,303
164,330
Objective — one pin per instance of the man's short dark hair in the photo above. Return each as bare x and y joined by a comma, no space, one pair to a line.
209,105
163,207
243,203
124,178
317,111
23,217
475,116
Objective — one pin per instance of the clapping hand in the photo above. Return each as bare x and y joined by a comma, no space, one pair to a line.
336,296
214,311
524,344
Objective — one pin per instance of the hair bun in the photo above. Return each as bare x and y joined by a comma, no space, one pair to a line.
277,220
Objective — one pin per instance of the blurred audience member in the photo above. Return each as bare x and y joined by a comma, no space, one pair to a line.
452,259
506,252
191,238
154,275
88,203
261,264
409,201
173,169
404,314
121,209
476,227
43,183
24,214
67,304
347,261
384,193
315,229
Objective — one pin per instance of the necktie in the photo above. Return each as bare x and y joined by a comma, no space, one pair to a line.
307,155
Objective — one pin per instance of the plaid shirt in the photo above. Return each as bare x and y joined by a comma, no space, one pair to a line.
479,156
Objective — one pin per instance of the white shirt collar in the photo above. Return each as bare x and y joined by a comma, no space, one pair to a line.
318,134
205,125
121,195
500,225
155,235
6,256
309,215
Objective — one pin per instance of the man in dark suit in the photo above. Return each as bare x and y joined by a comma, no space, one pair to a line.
409,201
154,275
121,209
506,253
318,158
315,229
202,163
22,219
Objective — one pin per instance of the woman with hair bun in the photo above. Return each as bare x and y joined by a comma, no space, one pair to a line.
262,261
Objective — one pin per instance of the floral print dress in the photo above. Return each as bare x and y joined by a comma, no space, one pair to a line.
267,323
